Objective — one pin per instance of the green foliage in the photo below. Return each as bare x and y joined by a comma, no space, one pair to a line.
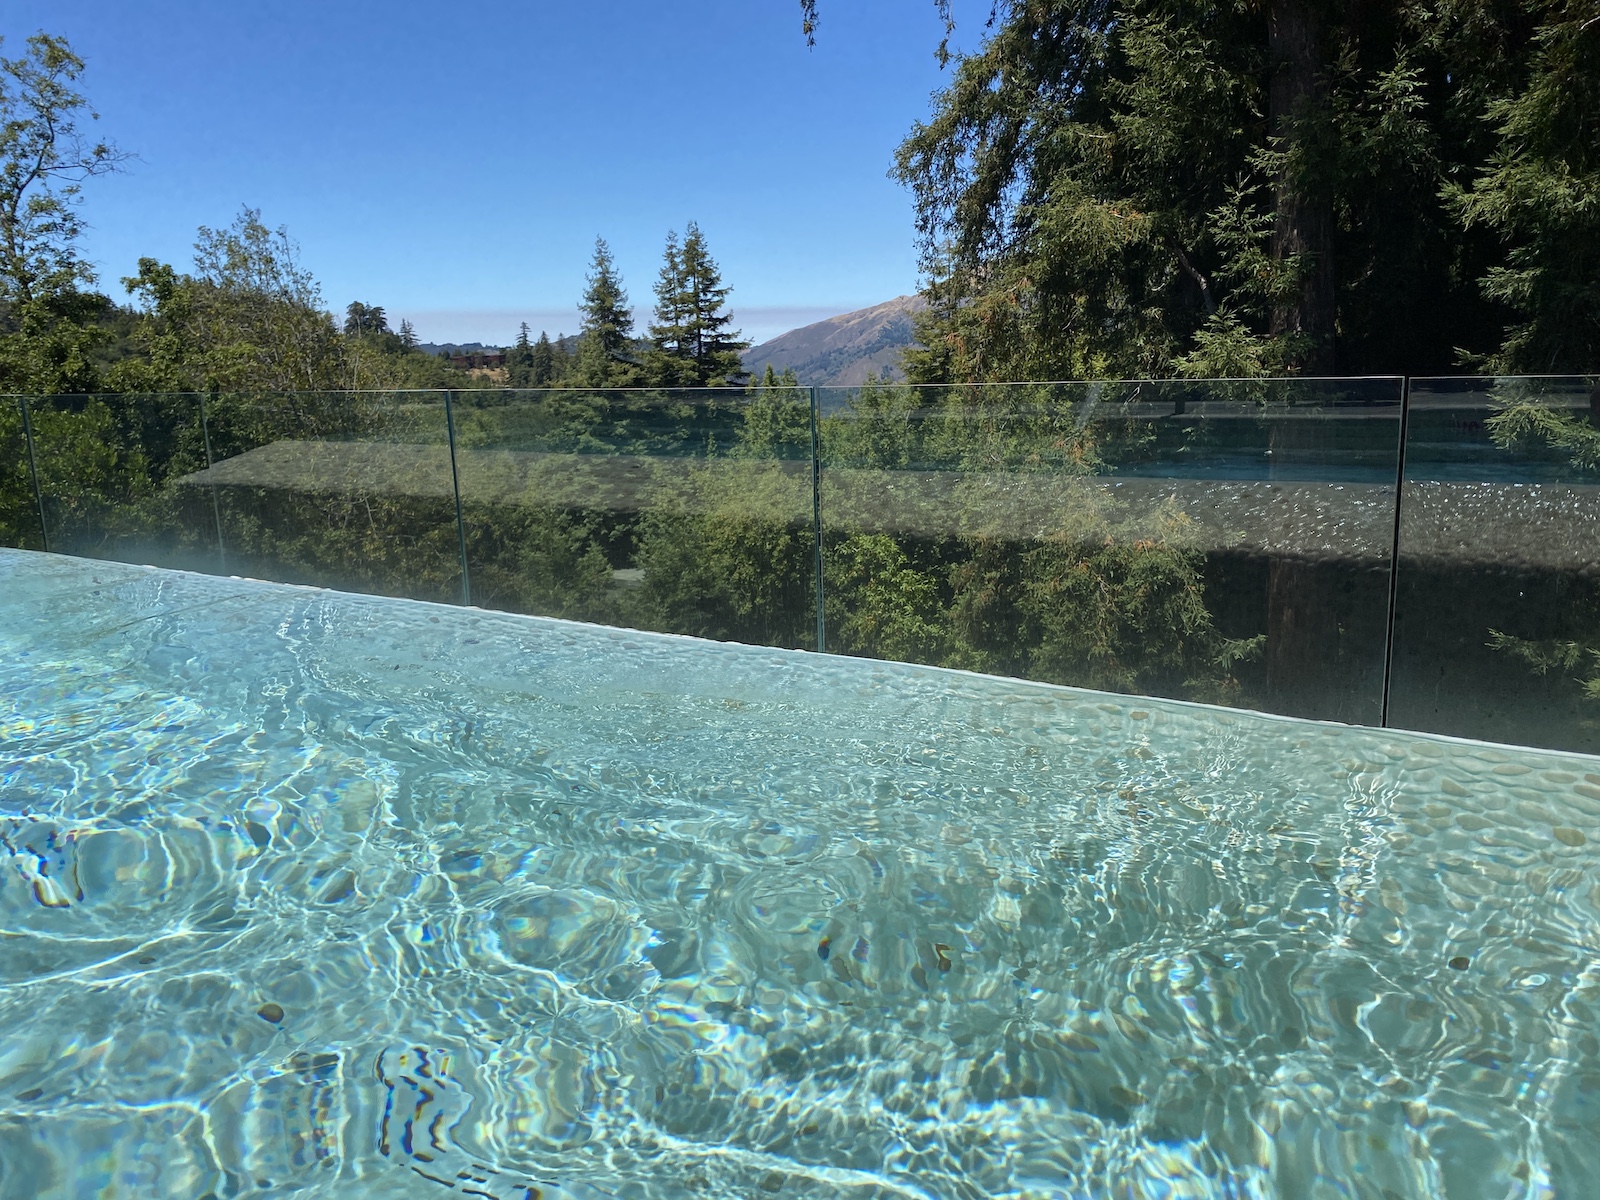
107,466
777,420
19,515
1540,191
44,160
1224,348
691,344
603,358
519,360
85,461
543,560
257,317
671,356
251,318
1529,426
1124,615
365,320
967,527
728,554
885,606
1526,424
49,325
882,431
535,364
49,344
1576,661
1136,188
544,365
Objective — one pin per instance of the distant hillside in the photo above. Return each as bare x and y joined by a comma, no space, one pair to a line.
844,349
459,348
566,342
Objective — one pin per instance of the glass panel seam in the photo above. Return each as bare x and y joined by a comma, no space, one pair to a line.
216,508
816,522
455,487
1394,551
33,471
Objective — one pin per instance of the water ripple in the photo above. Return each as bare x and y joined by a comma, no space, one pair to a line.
307,895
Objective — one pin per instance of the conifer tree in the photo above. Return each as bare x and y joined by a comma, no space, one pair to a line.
361,319
408,334
1540,191
671,356
692,344
607,331
519,360
1141,187
543,365
716,343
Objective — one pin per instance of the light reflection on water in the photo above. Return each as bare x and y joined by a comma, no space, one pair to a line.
304,894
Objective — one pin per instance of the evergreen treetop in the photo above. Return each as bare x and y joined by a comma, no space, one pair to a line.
693,343
361,319
533,364
607,330
543,366
671,333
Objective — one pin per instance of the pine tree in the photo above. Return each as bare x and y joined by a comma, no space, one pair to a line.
361,319
607,325
519,361
716,343
1540,191
670,360
692,344
408,334
1135,187
543,367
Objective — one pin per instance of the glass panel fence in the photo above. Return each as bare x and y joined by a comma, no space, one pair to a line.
1215,541
348,490
111,471
687,511
19,508
1497,598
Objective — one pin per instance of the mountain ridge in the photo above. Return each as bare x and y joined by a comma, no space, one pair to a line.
842,350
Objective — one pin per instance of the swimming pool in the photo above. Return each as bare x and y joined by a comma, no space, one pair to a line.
313,894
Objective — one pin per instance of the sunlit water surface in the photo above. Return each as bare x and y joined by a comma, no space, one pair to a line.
310,894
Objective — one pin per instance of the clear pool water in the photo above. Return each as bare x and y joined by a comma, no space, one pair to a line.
310,894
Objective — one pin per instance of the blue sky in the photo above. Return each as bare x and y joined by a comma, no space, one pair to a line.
454,163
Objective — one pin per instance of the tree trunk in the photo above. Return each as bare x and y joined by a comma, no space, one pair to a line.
1303,632
1303,225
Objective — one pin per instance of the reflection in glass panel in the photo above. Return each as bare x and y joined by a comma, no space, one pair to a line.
111,478
350,490
1216,541
19,510
687,511
1497,607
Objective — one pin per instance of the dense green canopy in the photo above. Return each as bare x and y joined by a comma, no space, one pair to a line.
1150,187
